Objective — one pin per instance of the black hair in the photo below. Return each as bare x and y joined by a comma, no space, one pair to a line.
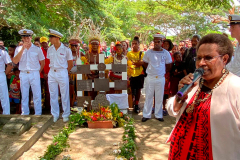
13,46
15,69
136,38
224,44
196,36
37,39
176,53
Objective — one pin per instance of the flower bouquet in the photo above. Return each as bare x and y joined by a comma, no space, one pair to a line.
106,117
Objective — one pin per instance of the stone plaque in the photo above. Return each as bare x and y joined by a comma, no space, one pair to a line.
85,102
101,67
100,100
119,67
120,85
83,69
84,85
101,84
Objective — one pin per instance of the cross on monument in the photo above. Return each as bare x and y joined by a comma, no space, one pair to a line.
100,84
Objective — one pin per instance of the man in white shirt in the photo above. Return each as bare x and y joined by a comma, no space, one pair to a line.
4,59
158,59
234,65
28,56
61,62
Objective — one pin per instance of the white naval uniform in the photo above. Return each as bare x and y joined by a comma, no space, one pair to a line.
155,81
4,97
29,67
234,65
58,76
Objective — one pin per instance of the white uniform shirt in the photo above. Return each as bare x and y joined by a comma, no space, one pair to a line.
156,62
234,65
59,58
4,59
30,58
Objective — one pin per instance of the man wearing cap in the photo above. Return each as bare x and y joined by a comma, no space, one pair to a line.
44,74
4,98
61,62
29,56
157,60
234,65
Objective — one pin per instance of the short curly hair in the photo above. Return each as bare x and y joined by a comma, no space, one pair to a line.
224,44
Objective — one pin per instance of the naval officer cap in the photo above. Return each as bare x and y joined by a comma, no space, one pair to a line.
158,35
25,32
53,33
234,19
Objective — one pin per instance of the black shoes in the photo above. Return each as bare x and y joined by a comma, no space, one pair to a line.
145,119
136,109
160,119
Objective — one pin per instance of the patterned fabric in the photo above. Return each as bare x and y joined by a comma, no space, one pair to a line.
191,138
14,91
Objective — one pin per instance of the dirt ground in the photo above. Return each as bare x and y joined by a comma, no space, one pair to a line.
97,144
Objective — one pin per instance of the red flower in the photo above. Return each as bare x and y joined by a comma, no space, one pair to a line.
94,119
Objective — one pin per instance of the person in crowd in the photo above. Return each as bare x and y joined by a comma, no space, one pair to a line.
11,51
124,47
31,62
20,43
145,47
158,61
176,73
44,73
175,49
234,65
135,63
37,41
112,48
128,43
181,44
151,45
182,50
14,90
189,44
93,58
4,60
105,50
74,44
61,62
2,44
186,42
189,56
117,59
210,103
167,45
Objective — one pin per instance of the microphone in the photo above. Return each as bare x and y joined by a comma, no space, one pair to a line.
196,75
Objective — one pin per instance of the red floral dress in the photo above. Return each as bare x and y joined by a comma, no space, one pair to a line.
191,138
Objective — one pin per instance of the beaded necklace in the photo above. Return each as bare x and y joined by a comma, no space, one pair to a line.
195,101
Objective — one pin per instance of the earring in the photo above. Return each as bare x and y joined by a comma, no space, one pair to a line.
223,70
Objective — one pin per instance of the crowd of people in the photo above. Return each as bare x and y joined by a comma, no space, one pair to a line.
162,68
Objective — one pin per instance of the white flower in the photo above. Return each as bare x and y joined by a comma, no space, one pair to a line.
115,151
119,151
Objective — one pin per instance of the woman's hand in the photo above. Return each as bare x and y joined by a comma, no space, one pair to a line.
186,80
178,103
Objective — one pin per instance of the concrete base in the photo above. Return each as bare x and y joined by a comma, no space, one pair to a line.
17,125
27,139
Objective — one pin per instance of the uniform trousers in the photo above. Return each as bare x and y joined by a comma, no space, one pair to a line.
59,77
27,79
154,84
4,97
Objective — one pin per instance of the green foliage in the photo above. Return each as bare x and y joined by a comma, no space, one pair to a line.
128,149
59,143
122,19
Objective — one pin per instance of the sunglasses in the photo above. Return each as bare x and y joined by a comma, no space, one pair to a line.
74,45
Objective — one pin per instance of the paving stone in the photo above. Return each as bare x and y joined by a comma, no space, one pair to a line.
17,125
